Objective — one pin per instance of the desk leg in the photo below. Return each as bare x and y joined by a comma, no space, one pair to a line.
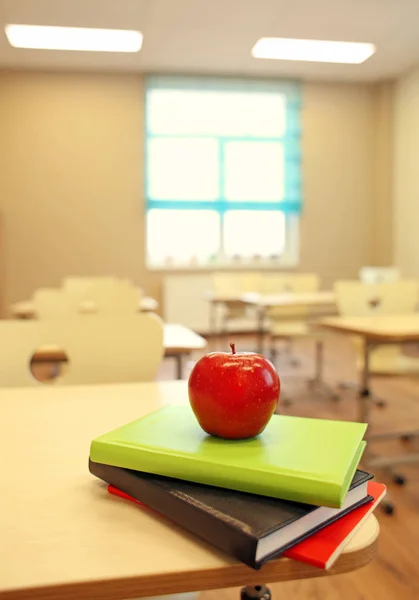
213,320
261,328
365,392
255,592
179,365
319,361
318,381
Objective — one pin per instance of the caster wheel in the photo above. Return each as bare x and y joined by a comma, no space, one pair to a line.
381,404
388,508
257,592
399,479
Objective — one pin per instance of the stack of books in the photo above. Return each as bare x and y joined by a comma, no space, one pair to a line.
295,490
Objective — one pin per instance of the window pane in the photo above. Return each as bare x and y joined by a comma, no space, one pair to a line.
254,171
182,169
218,112
181,236
249,233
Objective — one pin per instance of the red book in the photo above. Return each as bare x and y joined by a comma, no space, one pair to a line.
324,547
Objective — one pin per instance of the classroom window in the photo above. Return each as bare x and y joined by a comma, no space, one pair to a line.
223,174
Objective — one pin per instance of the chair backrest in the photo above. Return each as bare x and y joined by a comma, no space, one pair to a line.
18,341
355,298
378,274
111,349
51,303
113,297
278,283
236,283
99,349
79,283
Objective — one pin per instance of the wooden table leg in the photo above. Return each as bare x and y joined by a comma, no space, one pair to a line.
365,392
261,328
318,382
213,321
179,365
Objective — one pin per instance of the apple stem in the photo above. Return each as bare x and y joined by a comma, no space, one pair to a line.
233,348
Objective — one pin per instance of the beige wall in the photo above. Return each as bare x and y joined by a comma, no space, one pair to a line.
382,235
338,141
406,175
71,185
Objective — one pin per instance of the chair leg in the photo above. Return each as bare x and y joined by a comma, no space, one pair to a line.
351,385
224,328
273,351
293,360
318,381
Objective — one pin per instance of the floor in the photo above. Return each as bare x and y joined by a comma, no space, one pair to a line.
395,572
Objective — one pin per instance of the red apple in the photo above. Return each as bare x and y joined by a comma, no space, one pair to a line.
233,395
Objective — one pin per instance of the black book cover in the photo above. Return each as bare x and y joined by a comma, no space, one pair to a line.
235,522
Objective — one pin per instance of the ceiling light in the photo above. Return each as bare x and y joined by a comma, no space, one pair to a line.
73,38
312,50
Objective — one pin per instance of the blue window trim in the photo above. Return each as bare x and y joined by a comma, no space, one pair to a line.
221,206
291,141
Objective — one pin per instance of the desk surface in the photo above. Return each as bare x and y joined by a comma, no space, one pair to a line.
288,299
226,298
385,328
178,338
26,309
64,537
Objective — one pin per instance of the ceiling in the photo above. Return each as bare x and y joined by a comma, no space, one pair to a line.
216,36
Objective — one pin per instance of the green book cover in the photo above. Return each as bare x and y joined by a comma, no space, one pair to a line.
299,459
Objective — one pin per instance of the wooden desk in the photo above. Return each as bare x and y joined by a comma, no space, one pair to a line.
179,342
377,330
64,537
392,329
263,303
291,299
26,309
229,301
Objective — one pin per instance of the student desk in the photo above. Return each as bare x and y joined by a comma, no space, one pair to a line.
263,302
64,537
319,299
377,330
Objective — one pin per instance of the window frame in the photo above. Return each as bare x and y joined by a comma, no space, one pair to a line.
289,257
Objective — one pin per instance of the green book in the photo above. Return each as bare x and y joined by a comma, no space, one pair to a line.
299,459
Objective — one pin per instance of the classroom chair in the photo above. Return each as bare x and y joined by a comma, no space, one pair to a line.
378,274
54,303
78,284
232,285
112,297
355,298
99,349
18,342
289,323
111,349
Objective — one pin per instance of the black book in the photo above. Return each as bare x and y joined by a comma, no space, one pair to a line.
253,529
